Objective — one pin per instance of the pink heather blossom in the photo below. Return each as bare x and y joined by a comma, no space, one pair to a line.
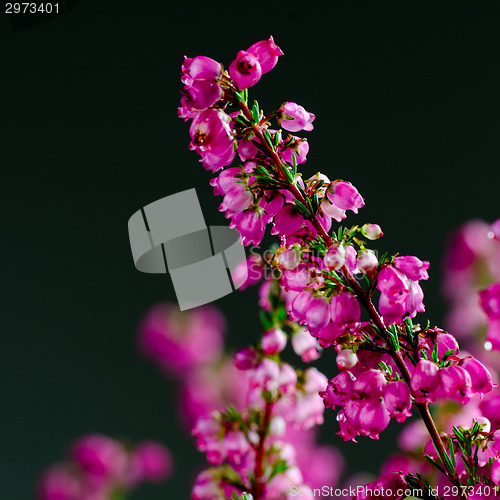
490,301
479,375
332,210
245,70
226,180
345,311
371,231
317,314
495,227
346,359
295,118
290,258
305,346
271,204
350,259
236,200
335,257
199,96
299,148
495,471
367,262
151,462
266,375
207,487
373,419
250,225
397,400
287,221
300,305
273,341
248,272
412,267
247,149
425,380
369,386
59,483
296,279
267,52
200,68
345,196
245,359
100,456
387,487
212,139
181,341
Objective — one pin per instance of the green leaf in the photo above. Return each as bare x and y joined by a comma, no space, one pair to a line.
452,453
467,467
435,353
255,111
433,462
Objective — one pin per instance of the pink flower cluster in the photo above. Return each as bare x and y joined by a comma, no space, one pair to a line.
234,441
99,466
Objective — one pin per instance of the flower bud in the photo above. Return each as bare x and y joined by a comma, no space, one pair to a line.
372,231
245,359
305,345
367,261
273,341
346,359
335,257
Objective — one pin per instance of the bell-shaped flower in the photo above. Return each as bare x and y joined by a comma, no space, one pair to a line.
425,380
412,267
294,117
345,196
397,400
479,375
456,383
267,52
245,70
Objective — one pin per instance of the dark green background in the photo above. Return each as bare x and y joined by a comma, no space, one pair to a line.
406,98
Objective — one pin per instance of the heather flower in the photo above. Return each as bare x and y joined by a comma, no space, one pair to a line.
345,196
369,386
267,52
384,488
212,139
490,301
295,118
412,267
245,358
373,419
346,359
299,147
290,258
305,346
372,231
335,257
151,461
425,380
245,70
236,200
456,383
200,68
250,225
367,261
317,314
59,483
332,210
100,456
287,221
479,375
397,400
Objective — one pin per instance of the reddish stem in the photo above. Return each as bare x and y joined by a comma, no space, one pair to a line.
259,458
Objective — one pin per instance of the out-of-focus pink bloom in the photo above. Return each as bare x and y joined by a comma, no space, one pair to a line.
299,148
412,267
372,231
367,261
287,221
495,228
248,272
345,196
207,486
59,483
294,117
305,346
335,257
397,400
273,341
490,301
267,52
181,341
151,461
100,456
212,138
290,258
425,380
250,225
245,70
